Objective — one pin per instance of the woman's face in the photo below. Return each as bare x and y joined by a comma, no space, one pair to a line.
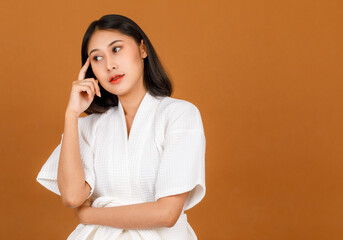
112,53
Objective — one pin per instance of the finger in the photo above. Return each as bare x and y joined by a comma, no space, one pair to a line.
96,86
91,82
87,82
85,88
83,70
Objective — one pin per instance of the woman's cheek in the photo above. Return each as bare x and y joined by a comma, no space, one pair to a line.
97,73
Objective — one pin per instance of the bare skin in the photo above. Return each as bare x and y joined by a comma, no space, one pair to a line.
71,179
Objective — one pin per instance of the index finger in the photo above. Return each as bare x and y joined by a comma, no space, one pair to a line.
83,70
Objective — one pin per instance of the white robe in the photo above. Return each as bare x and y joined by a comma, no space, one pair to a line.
164,155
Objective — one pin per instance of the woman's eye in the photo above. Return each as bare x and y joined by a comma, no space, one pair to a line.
95,58
114,49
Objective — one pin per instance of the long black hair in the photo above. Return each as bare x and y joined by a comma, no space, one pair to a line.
155,78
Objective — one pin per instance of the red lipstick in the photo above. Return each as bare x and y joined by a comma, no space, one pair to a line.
116,78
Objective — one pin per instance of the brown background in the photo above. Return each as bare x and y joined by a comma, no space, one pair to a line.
266,76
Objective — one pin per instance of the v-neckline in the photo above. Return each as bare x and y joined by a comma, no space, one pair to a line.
141,105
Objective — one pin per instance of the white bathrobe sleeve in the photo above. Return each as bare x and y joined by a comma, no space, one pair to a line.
48,173
182,164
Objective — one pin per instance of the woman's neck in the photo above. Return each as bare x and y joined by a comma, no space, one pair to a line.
130,103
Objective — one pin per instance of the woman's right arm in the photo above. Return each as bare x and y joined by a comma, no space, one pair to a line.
71,177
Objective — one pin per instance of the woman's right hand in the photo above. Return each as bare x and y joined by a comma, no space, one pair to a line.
82,92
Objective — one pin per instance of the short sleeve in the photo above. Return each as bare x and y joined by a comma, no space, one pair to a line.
182,164
48,173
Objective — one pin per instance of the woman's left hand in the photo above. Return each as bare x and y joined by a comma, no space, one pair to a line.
81,210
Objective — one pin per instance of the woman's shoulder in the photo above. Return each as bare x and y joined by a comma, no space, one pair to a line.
89,123
180,113
91,119
176,106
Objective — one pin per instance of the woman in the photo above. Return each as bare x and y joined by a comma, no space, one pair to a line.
139,154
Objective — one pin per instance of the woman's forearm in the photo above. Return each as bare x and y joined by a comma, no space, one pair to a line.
135,216
71,177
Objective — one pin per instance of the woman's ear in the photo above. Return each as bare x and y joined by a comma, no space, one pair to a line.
143,49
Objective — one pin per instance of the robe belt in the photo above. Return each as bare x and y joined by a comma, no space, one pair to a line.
100,232
112,202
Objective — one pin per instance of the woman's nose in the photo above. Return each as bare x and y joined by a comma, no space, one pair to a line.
110,67
110,64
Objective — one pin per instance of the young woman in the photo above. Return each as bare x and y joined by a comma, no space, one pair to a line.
139,154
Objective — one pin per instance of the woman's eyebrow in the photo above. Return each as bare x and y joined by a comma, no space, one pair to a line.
108,46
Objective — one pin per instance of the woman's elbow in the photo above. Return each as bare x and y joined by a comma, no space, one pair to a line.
76,199
170,223
70,203
173,206
172,218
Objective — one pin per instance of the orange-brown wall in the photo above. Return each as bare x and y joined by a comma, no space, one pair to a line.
266,76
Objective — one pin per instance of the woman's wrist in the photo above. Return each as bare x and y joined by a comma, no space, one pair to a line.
85,215
71,114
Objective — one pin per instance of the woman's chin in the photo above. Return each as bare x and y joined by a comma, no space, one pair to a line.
117,91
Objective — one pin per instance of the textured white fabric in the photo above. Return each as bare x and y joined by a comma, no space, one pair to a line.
164,155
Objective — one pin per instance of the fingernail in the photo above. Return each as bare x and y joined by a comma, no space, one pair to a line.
99,94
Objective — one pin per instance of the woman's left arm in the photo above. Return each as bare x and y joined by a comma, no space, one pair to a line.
163,213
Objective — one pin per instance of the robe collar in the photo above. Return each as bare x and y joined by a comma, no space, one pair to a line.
147,104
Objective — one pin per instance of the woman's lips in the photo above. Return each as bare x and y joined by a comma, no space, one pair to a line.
117,79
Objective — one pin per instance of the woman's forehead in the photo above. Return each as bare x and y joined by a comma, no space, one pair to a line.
108,32
102,38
